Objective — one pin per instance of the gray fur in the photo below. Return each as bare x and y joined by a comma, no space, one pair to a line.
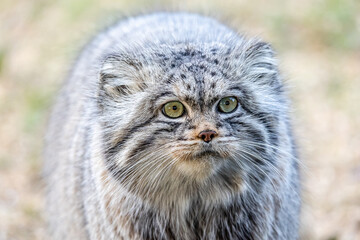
117,168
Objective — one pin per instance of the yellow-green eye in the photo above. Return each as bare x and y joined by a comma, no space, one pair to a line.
227,104
173,109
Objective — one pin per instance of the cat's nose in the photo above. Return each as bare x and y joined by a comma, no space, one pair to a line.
207,135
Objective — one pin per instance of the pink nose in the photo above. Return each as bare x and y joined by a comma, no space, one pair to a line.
207,135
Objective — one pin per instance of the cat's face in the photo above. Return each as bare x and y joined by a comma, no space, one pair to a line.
191,120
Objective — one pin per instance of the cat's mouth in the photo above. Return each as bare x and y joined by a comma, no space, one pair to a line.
206,153
210,153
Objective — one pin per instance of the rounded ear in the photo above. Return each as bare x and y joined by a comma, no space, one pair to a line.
120,75
259,49
261,63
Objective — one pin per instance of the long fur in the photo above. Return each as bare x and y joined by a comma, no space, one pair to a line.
118,168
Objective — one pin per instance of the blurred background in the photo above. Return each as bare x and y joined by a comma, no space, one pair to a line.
318,45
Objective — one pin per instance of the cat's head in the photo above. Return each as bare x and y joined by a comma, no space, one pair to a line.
184,119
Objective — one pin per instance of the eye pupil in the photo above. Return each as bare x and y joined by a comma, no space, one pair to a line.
227,103
174,108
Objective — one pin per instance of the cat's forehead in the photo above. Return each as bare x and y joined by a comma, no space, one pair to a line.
195,59
202,74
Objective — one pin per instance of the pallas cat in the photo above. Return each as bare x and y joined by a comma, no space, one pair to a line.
172,126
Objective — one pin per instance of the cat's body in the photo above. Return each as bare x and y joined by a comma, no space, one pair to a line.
118,168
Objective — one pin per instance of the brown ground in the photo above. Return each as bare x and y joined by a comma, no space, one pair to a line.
318,44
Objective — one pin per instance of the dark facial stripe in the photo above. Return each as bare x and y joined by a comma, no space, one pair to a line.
112,167
246,99
256,155
266,119
270,124
233,116
127,135
242,127
141,146
170,123
168,129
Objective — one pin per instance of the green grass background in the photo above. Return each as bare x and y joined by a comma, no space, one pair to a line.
318,44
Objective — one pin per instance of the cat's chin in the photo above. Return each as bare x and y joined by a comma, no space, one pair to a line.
200,165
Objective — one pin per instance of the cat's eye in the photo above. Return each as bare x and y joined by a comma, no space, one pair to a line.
228,104
173,109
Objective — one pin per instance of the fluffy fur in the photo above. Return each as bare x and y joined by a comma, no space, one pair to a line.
117,168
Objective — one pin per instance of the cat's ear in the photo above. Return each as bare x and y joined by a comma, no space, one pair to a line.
261,64
121,75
